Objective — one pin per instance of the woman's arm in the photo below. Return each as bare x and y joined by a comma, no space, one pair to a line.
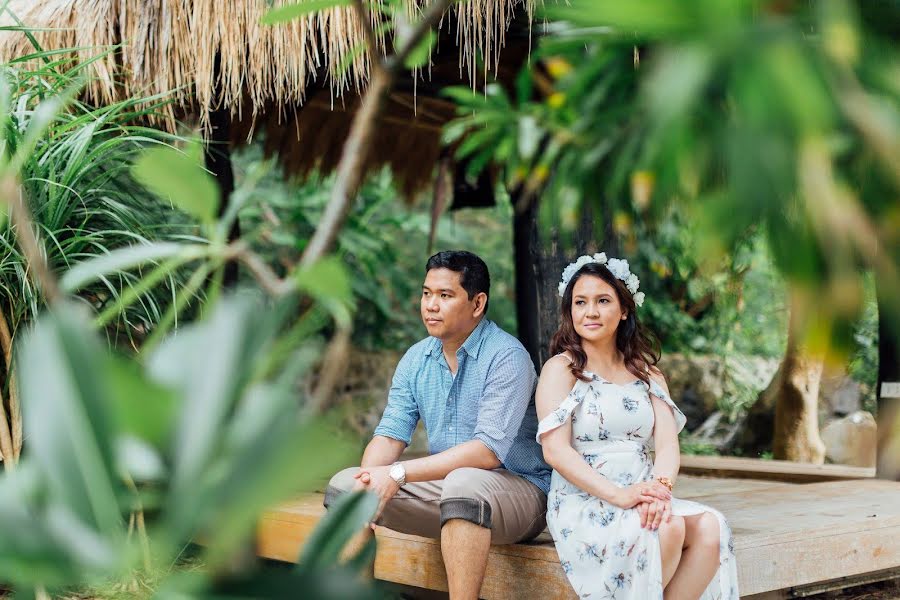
554,385
665,436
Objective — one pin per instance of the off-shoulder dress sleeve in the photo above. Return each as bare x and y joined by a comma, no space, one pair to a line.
564,411
658,391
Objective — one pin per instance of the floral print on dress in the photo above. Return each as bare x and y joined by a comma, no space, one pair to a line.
603,550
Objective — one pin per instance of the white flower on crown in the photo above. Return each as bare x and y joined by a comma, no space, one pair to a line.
632,283
617,266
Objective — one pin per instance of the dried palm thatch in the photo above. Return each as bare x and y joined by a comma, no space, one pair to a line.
212,55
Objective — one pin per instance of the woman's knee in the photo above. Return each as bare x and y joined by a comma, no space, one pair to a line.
707,531
672,531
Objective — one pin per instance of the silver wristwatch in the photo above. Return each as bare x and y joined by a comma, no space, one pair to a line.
398,473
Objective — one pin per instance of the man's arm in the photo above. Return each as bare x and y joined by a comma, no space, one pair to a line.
382,451
401,415
437,466
507,393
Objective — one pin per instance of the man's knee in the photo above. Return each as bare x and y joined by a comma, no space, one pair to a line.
463,497
341,483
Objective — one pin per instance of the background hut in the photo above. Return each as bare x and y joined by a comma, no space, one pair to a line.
236,78
299,82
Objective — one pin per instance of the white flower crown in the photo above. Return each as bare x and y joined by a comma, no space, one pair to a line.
617,266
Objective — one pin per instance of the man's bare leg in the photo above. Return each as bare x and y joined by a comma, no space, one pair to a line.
465,547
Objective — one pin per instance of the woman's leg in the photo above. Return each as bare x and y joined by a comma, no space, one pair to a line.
699,559
671,540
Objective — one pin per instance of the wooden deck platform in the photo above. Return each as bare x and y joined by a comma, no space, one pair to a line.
786,535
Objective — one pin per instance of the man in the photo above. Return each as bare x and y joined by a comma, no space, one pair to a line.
472,384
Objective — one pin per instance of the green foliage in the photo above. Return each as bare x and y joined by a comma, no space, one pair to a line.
688,446
292,11
383,246
74,163
731,112
864,360
174,177
225,445
202,434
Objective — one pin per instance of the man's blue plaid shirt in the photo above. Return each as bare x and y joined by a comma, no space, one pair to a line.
490,399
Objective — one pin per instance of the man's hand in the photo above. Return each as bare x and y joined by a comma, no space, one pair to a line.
379,482
362,481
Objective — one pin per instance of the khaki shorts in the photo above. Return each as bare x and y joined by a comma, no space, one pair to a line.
513,508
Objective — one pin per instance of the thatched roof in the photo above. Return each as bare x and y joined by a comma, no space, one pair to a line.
284,79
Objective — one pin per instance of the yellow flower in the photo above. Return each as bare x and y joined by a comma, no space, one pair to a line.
556,99
622,222
642,188
557,67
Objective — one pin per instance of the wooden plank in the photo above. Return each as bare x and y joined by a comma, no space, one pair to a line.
775,470
785,536
692,486
803,512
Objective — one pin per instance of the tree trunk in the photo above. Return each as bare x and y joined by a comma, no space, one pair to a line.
217,156
540,257
795,388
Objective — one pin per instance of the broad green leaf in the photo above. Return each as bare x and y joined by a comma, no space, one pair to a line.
268,457
288,12
174,176
327,282
677,81
142,407
529,138
649,17
124,259
418,56
68,425
345,518
37,545
209,363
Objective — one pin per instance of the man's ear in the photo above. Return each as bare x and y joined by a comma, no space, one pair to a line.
480,302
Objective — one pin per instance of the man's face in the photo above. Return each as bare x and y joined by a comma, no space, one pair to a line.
446,309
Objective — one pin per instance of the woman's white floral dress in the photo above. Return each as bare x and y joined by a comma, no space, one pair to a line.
603,549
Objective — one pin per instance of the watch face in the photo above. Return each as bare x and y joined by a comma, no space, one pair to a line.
396,473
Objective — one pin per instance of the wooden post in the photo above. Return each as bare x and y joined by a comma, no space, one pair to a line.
540,257
217,156
888,389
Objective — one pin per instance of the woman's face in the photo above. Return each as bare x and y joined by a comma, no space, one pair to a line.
596,310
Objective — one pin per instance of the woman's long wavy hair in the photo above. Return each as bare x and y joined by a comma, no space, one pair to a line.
639,347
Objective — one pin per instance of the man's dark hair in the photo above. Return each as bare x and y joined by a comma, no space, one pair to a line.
473,273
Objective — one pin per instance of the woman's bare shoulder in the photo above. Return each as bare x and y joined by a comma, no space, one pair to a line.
657,375
557,365
557,372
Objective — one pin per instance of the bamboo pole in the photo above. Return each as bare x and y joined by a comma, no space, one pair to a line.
7,421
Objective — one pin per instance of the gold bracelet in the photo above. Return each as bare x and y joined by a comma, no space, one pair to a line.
665,481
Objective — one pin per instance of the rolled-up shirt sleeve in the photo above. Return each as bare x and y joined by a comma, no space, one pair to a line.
508,391
401,415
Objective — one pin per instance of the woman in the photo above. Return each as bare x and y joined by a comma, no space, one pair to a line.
602,406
